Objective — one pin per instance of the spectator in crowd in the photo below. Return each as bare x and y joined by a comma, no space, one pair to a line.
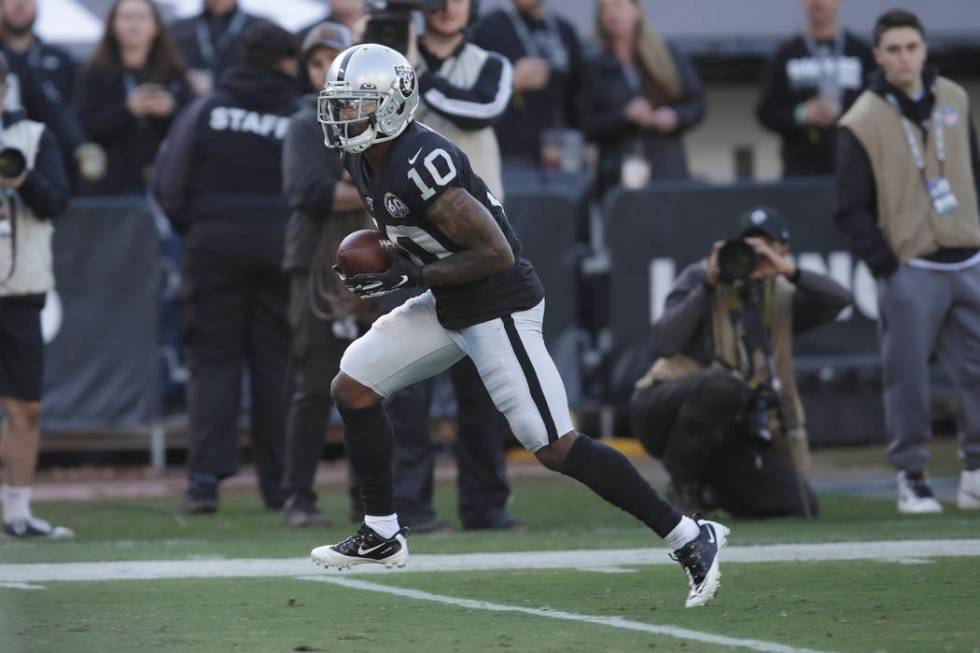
349,13
219,180
53,66
723,381
129,93
810,82
464,91
33,191
639,96
210,42
40,79
323,314
545,52
54,73
908,181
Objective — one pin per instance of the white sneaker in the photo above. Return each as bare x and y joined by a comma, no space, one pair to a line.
968,498
915,496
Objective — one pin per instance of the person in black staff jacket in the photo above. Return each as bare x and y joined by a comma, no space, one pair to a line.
639,96
810,82
129,93
724,349
323,314
219,179
211,41
547,59
29,199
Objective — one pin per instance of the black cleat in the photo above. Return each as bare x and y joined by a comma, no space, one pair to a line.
699,557
362,547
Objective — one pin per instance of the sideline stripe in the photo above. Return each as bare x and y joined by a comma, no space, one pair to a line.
574,559
614,622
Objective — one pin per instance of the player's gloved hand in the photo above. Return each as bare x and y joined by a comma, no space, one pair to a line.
403,273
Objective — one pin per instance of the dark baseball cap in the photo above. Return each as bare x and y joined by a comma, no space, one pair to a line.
765,220
327,35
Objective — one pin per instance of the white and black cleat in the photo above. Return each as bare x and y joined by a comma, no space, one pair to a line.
700,560
36,527
363,547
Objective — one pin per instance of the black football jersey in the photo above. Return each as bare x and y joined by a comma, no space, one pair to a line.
417,170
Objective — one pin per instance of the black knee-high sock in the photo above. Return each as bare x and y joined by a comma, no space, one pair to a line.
370,444
609,474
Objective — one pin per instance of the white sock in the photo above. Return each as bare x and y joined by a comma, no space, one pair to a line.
16,503
683,533
385,526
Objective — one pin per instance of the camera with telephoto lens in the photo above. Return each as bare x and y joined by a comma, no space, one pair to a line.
755,417
737,260
13,163
389,20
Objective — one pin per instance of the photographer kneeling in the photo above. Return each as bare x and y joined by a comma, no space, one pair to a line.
720,407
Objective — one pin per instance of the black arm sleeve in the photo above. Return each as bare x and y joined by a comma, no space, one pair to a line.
818,299
690,109
776,103
175,164
685,310
856,205
309,170
46,189
476,107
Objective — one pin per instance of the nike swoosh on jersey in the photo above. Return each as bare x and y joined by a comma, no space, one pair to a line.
411,161
711,535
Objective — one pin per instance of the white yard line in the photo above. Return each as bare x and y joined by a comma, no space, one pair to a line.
592,559
614,622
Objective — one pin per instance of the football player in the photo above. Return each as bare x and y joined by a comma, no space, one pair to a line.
484,300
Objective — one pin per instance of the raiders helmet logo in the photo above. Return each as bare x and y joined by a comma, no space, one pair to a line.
406,79
395,206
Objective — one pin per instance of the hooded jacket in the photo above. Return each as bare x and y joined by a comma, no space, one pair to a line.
222,159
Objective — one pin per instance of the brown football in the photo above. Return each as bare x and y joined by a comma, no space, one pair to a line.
363,251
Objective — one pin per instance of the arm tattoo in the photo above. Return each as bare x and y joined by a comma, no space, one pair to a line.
484,248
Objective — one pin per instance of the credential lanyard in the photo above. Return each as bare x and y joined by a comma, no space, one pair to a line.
209,51
913,141
558,55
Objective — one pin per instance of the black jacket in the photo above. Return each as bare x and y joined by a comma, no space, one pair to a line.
130,142
787,83
685,323
606,92
211,44
529,114
856,210
54,67
43,107
310,175
222,159
45,189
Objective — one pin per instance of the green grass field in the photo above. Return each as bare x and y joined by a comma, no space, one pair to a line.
919,605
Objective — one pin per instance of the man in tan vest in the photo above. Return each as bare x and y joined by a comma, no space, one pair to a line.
907,178
724,348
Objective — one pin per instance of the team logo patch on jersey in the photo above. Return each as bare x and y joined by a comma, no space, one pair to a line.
395,206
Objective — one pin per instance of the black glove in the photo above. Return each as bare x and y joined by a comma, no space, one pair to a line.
403,273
